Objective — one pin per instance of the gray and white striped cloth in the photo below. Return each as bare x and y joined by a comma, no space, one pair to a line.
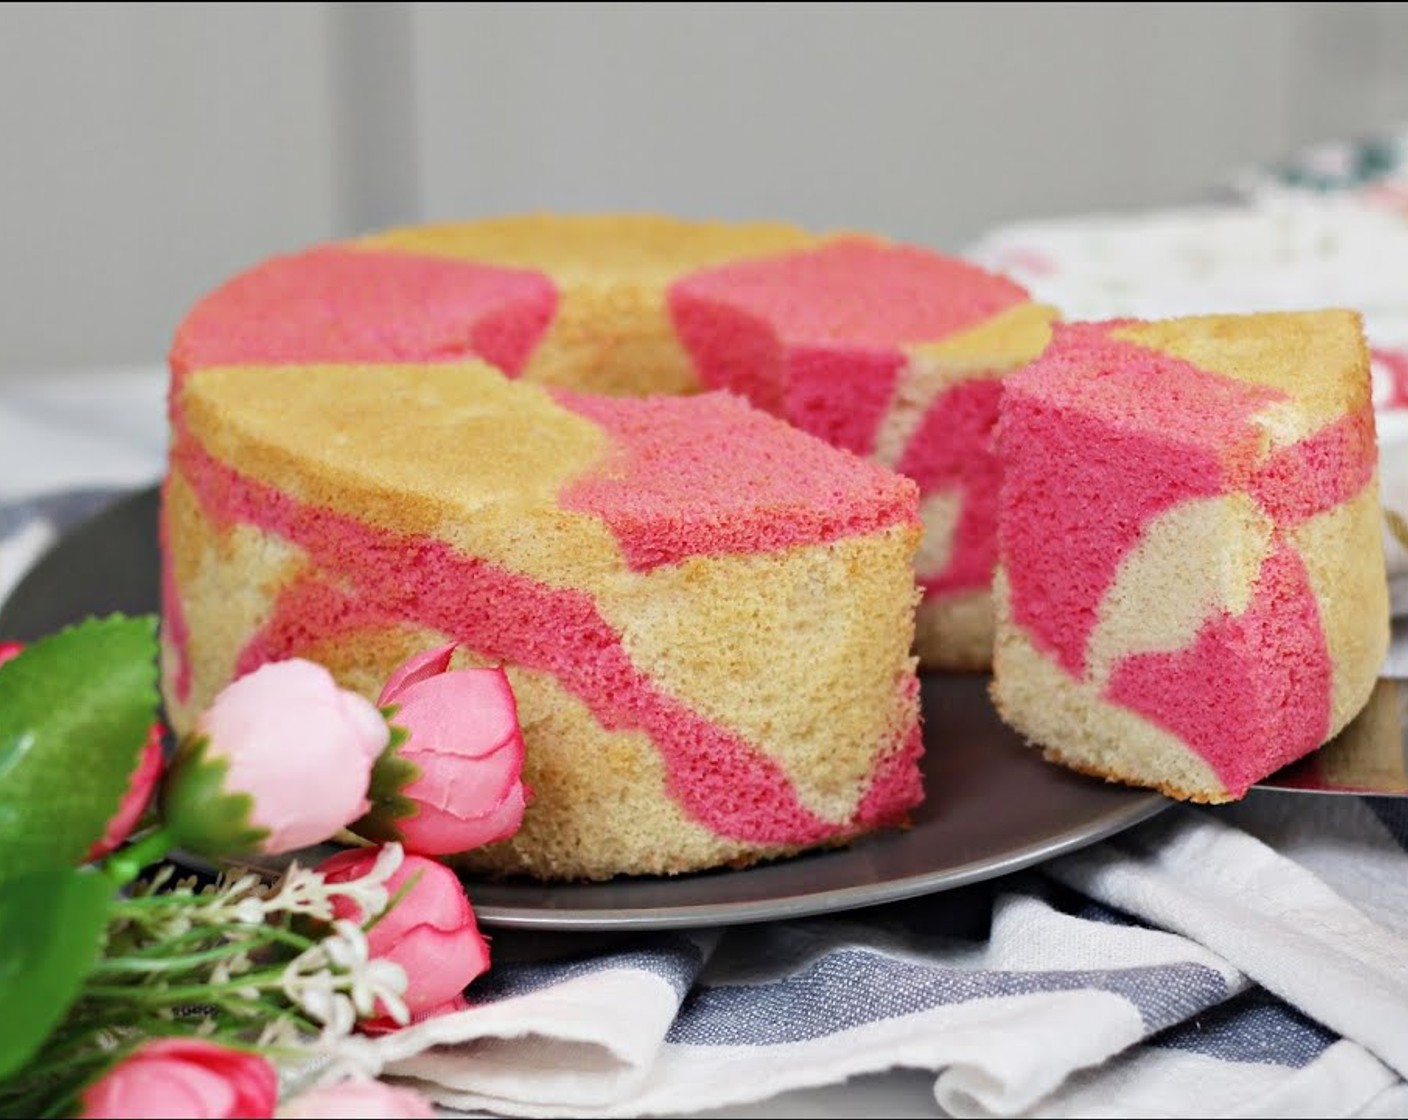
1246,961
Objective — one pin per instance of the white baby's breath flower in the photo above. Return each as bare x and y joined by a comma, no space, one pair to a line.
384,982
316,994
248,912
158,879
343,1018
346,946
234,887
388,862
370,892
280,1034
176,925
378,980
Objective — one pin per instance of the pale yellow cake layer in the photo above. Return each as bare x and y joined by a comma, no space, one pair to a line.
1072,725
1168,587
844,612
1345,562
939,510
456,452
612,331
602,806
1369,751
227,580
583,248
1306,354
994,348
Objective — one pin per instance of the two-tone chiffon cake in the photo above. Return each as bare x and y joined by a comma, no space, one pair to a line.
890,351
1191,591
707,613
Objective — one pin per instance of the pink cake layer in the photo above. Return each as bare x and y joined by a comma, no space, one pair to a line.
1105,442
1102,424
952,450
335,304
819,337
677,488
723,782
1276,654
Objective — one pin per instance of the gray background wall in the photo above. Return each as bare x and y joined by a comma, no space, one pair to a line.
150,150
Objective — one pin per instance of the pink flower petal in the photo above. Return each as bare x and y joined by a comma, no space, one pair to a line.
466,787
286,730
358,1099
140,787
437,900
184,1078
422,666
439,964
469,712
437,832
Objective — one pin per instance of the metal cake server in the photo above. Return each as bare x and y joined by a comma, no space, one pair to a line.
1370,756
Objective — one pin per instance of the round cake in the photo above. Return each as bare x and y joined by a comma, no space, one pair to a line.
889,351
706,612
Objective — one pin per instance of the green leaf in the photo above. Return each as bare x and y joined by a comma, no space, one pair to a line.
51,932
390,776
197,811
75,709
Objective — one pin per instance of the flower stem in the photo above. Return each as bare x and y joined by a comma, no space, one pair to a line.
127,863
188,993
171,963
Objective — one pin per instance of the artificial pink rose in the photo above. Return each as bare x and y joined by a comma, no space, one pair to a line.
140,787
464,740
430,932
359,1098
297,746
184,1077
10,650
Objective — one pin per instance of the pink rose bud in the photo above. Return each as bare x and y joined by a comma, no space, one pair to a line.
430,932
183,1077
281,760
10,650
359,1098
465,750
134,802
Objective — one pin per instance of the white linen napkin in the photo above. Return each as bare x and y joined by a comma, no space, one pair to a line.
1249,960
1136,978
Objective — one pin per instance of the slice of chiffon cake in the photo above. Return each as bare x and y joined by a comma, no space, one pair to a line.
1191,589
